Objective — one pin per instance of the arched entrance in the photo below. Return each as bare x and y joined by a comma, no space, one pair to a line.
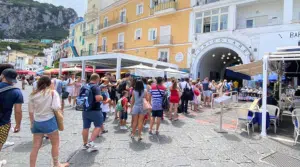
208,61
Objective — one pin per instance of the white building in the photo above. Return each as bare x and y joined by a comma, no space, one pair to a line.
51,54
229,32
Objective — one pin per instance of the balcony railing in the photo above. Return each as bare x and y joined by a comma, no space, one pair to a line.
163,40
102,48
113,23
91,14
118,46
88,32
164,8
204,2
259,21
163,59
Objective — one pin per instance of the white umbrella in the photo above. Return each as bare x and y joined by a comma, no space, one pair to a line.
72,69
145,71
175,73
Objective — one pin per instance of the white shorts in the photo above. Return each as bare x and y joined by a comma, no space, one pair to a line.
70,91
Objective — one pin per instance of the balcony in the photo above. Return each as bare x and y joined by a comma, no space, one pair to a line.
112,24
89,33
118,47
163,41
164,8
259,21
163,60
102,49
87,53
91,14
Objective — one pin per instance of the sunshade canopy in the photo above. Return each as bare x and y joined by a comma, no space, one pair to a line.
250,69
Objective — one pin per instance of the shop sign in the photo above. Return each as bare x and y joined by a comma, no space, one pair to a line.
179,57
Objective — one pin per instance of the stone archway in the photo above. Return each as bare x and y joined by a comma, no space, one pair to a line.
242,51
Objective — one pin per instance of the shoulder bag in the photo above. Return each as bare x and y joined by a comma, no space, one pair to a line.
59,116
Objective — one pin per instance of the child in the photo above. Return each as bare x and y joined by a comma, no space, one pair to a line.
123,113
196,91
105,104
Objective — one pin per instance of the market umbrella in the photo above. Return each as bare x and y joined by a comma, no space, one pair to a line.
145,71
172,73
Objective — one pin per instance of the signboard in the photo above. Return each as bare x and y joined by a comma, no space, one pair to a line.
179,57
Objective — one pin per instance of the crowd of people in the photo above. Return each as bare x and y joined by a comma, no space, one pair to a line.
147,100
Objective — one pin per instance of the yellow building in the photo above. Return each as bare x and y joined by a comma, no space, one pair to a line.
155,29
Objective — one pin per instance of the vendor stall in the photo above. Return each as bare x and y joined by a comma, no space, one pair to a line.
145,71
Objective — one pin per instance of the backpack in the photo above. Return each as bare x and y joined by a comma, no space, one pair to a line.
119,106
85,99
2,90
122,87
165,100
188,93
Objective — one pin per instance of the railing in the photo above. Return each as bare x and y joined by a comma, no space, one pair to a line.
163,6
119,46
259,21
163,40
88,32
93,13
102,48
113,22
87,52
205,2
163,60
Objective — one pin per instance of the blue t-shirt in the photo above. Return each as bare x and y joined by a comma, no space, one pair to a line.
157,93
7,101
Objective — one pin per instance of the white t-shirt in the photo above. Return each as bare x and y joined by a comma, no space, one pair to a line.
70,81
42,105
183,85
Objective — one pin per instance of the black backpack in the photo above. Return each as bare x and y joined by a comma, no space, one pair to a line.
188,93
122,87
165,99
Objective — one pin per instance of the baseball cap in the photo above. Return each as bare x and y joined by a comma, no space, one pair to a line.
10,75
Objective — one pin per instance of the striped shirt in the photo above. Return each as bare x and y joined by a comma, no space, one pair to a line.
157,92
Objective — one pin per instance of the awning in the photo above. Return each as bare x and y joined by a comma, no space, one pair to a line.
237,75
171,73
145,71
250,69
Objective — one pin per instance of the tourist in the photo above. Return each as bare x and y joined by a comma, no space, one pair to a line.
70,87
138,112
147,116
10,97
24,82
227,86
174,100
93,114
34,85
157,93
124,112
113,93
213,85
105,104
236,86
58,86
42,103
206,91
196,92
184,87
76,90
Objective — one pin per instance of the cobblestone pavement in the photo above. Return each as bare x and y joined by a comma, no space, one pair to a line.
190,141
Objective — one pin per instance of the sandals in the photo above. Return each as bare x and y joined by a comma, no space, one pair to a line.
157,132
140,138
150,132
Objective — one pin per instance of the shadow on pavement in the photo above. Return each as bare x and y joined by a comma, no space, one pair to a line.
83,158
119,131
163,139
232,137
27,146
139,145
178,123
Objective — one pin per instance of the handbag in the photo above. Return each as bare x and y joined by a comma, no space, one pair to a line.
146,105
64,94
59,117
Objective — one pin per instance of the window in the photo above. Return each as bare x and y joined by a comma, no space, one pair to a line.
139,9
123,16
104,43
163,55
211,20
105,22
250,23
152,34
138,34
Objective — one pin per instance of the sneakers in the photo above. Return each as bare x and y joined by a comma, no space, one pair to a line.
91,147
8,144
2,162
84,147
123,127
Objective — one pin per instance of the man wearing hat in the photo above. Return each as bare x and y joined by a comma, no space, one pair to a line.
10,97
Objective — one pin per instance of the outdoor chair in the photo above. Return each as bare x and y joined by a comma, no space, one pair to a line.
242,116
296,122
274,112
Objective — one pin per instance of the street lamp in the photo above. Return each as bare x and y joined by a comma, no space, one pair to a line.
8,49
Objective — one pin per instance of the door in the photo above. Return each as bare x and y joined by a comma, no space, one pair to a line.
165,35
121,41
90,49
104,42
123,16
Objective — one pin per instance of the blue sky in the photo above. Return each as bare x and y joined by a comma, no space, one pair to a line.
78,5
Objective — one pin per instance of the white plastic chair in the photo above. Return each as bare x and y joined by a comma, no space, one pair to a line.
274,112
242,116
296,122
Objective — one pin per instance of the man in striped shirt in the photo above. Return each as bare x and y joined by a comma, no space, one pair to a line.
157,93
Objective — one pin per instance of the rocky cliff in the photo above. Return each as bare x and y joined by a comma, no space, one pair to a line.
28,19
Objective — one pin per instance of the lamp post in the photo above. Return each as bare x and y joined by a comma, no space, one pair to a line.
8,49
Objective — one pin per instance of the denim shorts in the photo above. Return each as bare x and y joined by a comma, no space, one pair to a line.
44,127
92,116
138,110
123,115
207,93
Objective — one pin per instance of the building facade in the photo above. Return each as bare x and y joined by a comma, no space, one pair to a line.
230,32
155,29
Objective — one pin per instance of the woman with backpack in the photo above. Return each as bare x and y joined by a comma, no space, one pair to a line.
138,113
42,104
